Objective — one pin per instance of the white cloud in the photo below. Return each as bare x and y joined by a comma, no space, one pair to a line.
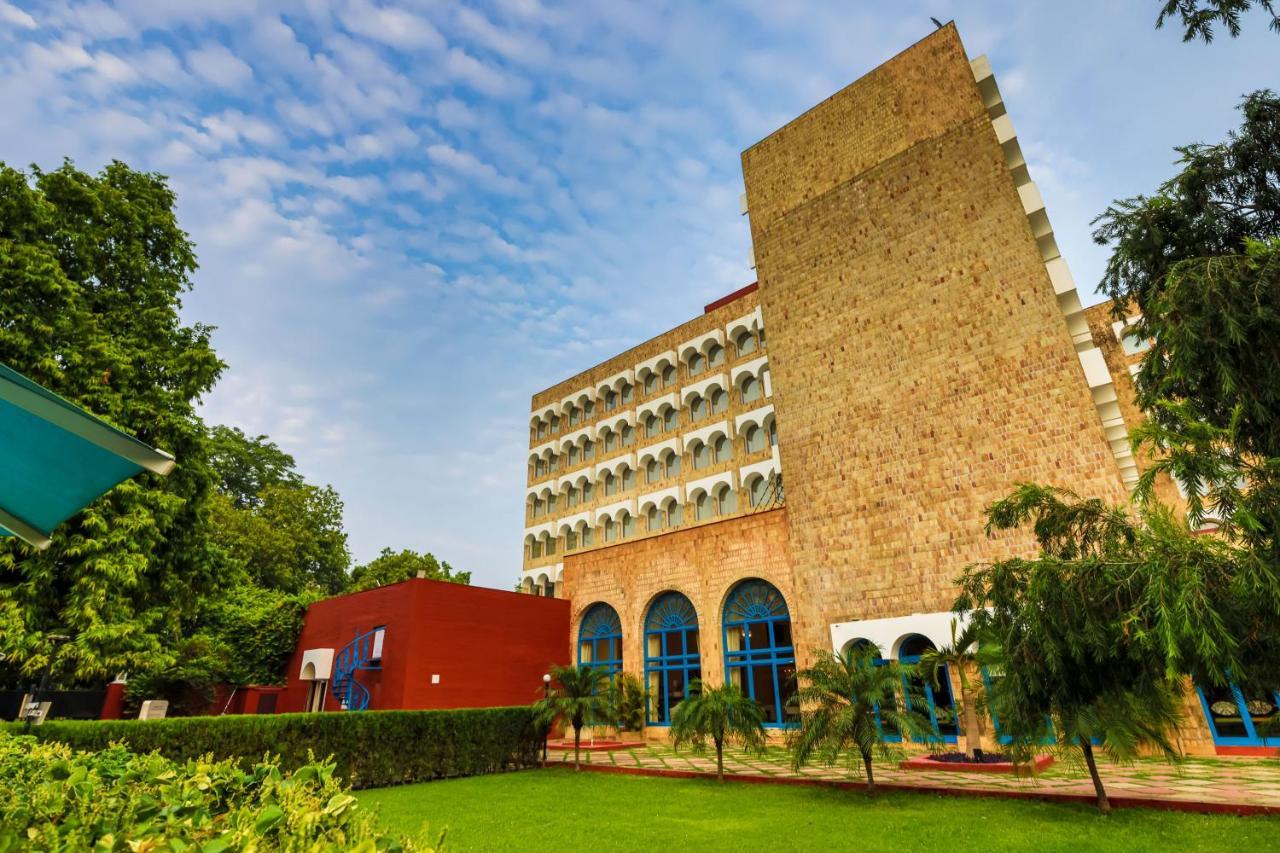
219,66
12,15
394,27
482,77
469,166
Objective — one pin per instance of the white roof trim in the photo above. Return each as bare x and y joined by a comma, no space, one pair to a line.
755,416
569,401
545,412
537,530
706,484
614,418
549,487
700,387
544,447
764,467
652,363
889,633
655,450
654,404
612,510
572,521
588,431
574,476
754,366
659,497
555,572
699,343
704,433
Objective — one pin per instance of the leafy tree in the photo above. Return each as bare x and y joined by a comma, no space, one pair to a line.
291,540
962,655
576,698
390,567
92,269
246,466
721,715
1199,16
847,701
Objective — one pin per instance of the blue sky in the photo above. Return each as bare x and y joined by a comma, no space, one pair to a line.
409,218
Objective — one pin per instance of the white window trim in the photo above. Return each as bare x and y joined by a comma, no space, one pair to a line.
652,364
755,416
654,451
659,497
755,367
708,484
719,380
703,434
699,344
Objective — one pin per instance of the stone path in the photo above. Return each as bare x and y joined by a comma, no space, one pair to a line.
1201,784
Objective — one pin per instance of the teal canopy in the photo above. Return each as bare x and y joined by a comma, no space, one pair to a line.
56,458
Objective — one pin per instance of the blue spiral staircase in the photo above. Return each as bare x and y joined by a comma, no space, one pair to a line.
354,657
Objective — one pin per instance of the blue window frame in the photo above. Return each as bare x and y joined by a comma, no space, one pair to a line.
600,639
945,725
759,653
1239,720
671,655
888,733
1001,737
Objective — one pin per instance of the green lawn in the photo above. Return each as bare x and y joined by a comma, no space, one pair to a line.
557,809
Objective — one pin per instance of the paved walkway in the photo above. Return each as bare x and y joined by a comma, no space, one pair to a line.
1199,784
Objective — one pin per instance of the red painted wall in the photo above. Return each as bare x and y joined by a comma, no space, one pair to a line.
488,647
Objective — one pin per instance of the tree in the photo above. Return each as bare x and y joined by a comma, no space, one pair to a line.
1199,16
847,701
390,567
1096,631
246,466
962,655
576,698
721,715
626,700
92,270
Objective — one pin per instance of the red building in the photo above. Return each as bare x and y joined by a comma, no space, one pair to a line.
425,644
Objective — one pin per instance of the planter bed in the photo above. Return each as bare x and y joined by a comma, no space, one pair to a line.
597,746
928,762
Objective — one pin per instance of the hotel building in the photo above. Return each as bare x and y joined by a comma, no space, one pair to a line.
914,346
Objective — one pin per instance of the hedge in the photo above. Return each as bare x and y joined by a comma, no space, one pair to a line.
370,749
54,798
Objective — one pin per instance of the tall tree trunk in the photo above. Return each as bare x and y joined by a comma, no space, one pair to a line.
871,774
720,760
972,739
577,759
1104,805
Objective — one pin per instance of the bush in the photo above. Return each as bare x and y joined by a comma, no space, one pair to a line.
369,749
55,798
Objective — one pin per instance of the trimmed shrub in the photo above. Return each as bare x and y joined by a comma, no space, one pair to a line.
370,749
58,799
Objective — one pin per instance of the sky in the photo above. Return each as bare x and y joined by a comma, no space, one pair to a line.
411,217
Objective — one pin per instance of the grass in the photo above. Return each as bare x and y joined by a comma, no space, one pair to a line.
558,809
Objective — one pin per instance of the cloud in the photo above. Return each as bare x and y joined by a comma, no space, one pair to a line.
15,17
215,64
482,77
390,26
469,166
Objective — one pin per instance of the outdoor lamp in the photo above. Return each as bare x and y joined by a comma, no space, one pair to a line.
546,692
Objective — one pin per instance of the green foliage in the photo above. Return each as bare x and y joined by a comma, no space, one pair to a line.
577,699
389,567
840,697
56,798
961,656
92,269
625,702
368,749
721,715
1199,16
246,465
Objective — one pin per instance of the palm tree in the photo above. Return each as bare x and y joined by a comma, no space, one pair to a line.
577,697
718,714
962,655
846,705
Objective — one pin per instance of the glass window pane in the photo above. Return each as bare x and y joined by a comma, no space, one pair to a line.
674,642
733,639
584,653
653,645
1225,712
759,635
762,681
691,641
787,691
782,633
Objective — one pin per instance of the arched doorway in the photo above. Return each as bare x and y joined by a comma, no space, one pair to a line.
600,638
672,659
940,705
759,652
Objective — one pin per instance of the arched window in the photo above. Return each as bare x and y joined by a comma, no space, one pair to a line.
628,435
588,449
549,543
610,484
773,433
572,496
671,655
670,419
555,423
588,409
668,376
627,393
588,491
698,407
697,364
938,700
535,549
745,343
573,454
610,530
715,356
759,654
600,638
1237,718
652,426
610,401
610,441
628,479
675,513
726,500
764,344
542,429
588,536
653,519
759,491
701,456
702,506
652,471
575,415
753,439
570,540
628,524
750,389
672,463
553,462
650,382
723,449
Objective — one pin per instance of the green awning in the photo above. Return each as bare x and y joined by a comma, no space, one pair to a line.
56,458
